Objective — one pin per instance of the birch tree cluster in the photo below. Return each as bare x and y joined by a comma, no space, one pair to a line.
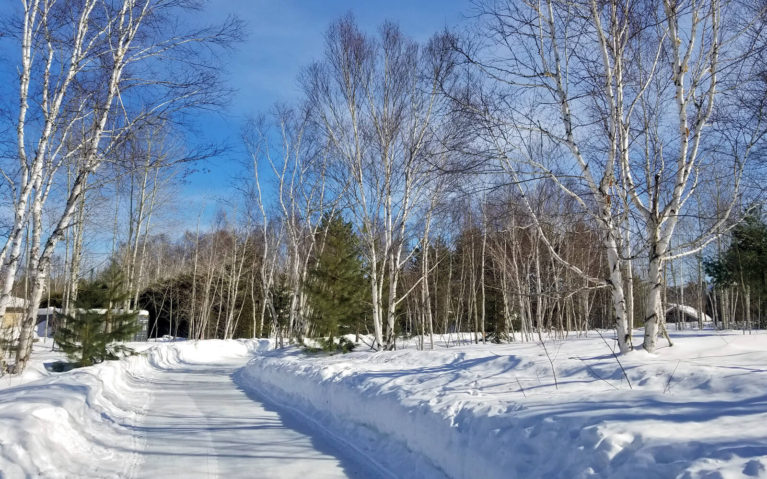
91,74
551,168
623,136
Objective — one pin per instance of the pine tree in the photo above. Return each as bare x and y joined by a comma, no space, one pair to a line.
744,263
92,333
337,286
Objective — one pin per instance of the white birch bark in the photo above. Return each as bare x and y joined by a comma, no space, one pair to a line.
103,43
384,90
122,29
54,92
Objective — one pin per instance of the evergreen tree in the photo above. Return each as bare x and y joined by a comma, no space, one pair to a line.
744,263
746,258
92,333
337,286
281,301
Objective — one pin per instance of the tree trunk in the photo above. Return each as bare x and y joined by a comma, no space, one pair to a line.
654,309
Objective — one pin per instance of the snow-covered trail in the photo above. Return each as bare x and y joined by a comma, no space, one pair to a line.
175,410
199,423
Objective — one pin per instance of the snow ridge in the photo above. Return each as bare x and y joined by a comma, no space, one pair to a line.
84,420
494,411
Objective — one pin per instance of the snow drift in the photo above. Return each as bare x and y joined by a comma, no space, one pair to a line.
83,420
698,409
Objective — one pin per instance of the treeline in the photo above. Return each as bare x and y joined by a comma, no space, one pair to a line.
489,274
486,276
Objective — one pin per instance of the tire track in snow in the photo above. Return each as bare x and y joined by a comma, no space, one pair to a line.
201,424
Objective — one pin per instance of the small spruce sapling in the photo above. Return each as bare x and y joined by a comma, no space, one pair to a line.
93,333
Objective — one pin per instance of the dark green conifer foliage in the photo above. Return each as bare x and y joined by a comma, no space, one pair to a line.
337,286
92,333
744,263
746,258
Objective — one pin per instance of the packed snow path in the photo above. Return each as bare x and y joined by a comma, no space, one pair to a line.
175,410
199,423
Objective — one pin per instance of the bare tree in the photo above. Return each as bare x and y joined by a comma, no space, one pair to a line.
81,69
541,113
593,80
298,167
376,102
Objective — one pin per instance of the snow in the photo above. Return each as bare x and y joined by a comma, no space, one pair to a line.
695,410
17,303
241,409
196,411
60,426
35,369
172,410
688,311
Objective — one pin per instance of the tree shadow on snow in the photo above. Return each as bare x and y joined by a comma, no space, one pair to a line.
352,464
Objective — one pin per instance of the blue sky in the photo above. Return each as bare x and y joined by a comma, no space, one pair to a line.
283,37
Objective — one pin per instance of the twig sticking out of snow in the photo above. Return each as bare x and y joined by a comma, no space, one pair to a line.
520,387
595,373
668,384
616,358
545,350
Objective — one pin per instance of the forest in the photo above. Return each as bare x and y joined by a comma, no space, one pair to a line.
544,170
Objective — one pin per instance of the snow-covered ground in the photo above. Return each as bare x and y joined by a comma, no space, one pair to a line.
698,409
41,355
172,411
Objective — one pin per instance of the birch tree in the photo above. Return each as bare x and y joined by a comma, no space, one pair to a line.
666,158
547,87
376,101
298,169
68,50
597,80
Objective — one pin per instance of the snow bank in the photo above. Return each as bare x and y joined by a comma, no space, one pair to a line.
698,409
36,367
85,419
169,355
